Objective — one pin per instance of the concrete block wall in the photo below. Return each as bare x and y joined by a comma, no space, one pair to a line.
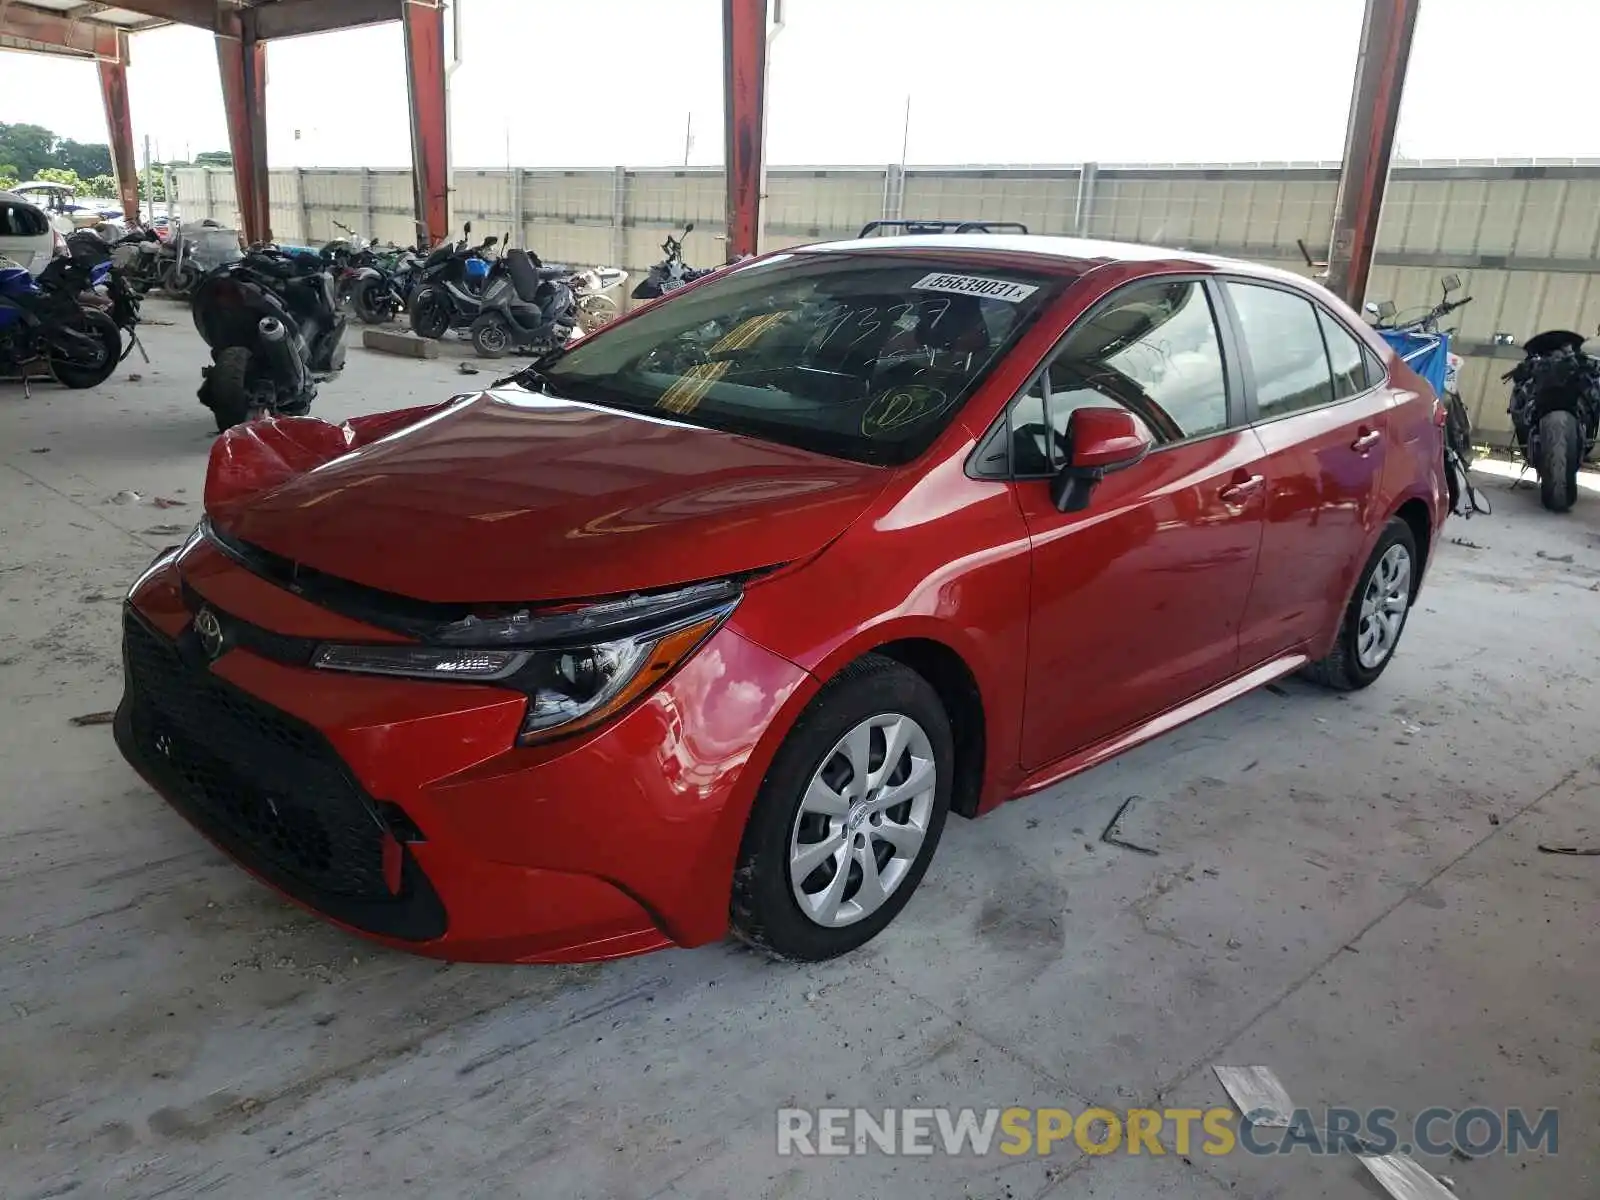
1524,236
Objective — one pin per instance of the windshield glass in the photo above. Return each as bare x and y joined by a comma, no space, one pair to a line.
861,356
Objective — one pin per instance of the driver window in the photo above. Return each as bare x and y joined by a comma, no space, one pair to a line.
1153,350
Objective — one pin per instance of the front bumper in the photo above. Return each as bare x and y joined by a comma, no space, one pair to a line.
403,811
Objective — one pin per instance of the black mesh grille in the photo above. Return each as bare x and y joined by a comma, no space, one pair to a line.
252,774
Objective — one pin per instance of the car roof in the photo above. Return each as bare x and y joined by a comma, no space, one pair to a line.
1083,253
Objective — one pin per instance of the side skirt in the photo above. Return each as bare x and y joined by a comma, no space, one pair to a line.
1165,722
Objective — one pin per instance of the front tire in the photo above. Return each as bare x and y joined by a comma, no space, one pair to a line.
848,816
1560,449
430,315
371,303
1376,615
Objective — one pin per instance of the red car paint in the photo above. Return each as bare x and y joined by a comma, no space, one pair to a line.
1207,569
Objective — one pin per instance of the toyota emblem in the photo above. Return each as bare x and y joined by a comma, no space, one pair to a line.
209,630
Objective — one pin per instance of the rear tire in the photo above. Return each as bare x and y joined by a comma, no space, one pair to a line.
430,315
1560,449
490,337
786,820
87,375
1355,661
370,304
229,388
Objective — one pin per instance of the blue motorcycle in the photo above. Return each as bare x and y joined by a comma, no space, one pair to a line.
43,325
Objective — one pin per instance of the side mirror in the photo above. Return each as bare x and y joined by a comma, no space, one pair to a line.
1386,310
1370,308
490,241
688,229
1099,441
1450,283
467,229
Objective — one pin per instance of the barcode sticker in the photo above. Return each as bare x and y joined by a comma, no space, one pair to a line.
975,285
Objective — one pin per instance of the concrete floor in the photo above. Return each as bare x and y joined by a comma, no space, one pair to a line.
1347,890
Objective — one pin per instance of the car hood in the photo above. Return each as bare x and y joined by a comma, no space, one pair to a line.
517,496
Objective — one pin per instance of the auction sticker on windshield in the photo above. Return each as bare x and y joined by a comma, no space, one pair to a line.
975,285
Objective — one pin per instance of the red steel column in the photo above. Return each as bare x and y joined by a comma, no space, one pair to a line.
119,126
744,85
243,63
1369,143
423,21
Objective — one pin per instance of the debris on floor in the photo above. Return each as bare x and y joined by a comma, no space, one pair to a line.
1404,1178
95,718
467,368
125,497
163,530
168,502
40,450
1257,1094
1556,558
1110,837
1458,541
1582,851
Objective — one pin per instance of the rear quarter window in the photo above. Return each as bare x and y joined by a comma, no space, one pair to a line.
22,220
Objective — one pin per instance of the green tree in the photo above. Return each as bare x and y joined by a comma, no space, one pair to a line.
88,159
101,185
8,177
214,158
58,175
27,148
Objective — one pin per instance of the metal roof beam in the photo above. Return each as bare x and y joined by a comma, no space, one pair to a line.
294,18
54,32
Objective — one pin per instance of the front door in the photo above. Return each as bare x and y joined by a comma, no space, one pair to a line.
1136,600
1324,423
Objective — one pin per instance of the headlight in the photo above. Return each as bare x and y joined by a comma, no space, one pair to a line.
631,645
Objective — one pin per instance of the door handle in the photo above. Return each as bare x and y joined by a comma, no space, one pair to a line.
1366,441
1238,493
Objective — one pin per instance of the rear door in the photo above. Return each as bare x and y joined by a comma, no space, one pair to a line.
25,235
1136,600
1324,425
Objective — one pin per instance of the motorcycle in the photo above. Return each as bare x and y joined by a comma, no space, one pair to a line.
449,295
42,323
1555,411
275,332
196,251
142,258
525,306
670,273
89,268
591,286
1417,338
385,285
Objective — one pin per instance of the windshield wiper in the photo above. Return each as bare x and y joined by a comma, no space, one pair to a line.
533,375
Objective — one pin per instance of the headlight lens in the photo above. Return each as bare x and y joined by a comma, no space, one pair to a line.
570,687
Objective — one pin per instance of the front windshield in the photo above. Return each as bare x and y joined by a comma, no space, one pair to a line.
861,356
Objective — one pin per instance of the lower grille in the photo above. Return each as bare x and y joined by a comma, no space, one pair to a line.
268,788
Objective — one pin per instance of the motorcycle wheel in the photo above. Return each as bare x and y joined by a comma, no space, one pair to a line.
229,385
430,315
594,312
180,280
75,374
490,337
1560,448
1458,428
371,303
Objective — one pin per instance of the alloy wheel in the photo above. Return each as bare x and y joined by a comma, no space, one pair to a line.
1383,607
862,820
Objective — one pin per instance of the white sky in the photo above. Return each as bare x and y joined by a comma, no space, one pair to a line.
991,81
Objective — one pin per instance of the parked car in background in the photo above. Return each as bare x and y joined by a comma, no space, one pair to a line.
26,236
711,620
66,211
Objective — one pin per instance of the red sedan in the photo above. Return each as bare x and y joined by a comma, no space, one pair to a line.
710,621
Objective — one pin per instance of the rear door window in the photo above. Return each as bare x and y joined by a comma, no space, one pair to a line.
1283,337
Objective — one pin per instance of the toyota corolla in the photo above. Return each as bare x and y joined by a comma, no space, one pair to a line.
709,622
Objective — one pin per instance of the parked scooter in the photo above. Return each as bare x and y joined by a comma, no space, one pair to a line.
142,258
44,328
592,287
89,267
274,330
196,251
1555,411
670,273
526,306
384,286
453,279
